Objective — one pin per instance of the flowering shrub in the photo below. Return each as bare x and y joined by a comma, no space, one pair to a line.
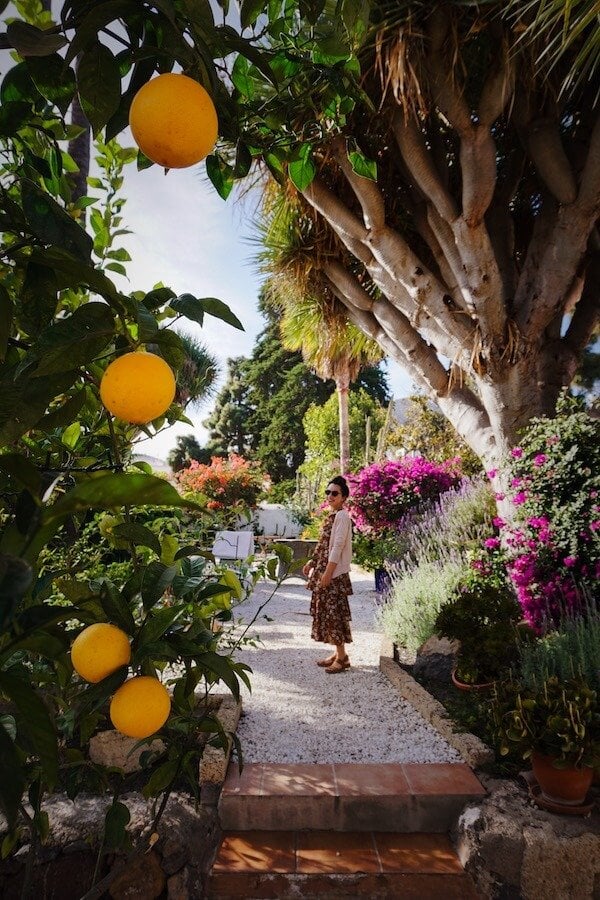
225,482
555,543
382,493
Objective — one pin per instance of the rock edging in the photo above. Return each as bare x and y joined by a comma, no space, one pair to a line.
472,750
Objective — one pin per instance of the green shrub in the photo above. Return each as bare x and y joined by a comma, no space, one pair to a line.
570,651
416,597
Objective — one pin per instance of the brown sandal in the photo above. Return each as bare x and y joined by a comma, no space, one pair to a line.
326,662
338,665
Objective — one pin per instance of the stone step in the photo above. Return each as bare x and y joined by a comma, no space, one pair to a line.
329,864
346,797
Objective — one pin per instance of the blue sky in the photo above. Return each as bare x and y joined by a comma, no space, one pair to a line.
184,235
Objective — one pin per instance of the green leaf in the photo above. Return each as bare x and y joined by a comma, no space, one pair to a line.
51,224
157,578
79,274
366,168
116,607
6,319
168,344
157,625
110,491
161,778
147,324
101,14
31,41
34,721
188,306
169,546
64,414
221,666
115,825
241,78
39,296
54,80
138,535
99,85
250,11
12,778
75,340
301,168
24,402
220,174
71,435
96,695
220,310
23,471
16,577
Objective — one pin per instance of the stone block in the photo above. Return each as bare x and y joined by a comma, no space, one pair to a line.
111,748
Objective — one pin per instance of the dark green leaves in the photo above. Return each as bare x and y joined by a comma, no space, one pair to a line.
301,167
112,491
115,825
220,173
51,224
54,80
75,340
250,11
31,41
34,720
195,309
99,85
12,779
366,168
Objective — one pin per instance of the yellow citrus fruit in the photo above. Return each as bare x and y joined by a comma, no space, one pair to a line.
138,387
99,651
140,707
173,121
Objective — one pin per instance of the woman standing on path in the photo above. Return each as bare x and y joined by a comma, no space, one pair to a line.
329,579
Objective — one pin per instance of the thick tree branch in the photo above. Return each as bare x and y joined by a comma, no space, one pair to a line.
399,274
589,190
550,269
367,193
547,152
348,285
420,164
586,317
499,85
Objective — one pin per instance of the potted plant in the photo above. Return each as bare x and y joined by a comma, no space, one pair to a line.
557,726
485,619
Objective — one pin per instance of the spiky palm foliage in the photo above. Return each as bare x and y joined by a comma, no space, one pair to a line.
196,377
312,319
566,36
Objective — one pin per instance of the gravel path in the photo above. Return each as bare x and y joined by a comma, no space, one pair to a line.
297,713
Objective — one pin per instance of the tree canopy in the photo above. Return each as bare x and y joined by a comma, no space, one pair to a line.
259,410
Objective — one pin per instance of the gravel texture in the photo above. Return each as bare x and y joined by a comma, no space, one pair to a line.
297,713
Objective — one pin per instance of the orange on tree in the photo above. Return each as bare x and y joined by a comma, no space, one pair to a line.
138,387
140,707
173,121
99,650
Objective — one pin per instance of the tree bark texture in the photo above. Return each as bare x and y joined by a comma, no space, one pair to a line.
471,299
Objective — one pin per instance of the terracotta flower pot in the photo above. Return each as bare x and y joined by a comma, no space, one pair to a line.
464,686
567,786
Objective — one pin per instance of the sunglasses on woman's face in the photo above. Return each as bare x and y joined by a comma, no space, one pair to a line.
332,493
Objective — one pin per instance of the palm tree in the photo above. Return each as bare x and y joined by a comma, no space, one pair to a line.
312,319
197,375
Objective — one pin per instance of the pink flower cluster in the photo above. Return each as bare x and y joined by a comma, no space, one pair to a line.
382,493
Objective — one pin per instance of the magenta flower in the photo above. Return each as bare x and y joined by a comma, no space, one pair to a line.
516,452
491,543
520,498
539,460
492,473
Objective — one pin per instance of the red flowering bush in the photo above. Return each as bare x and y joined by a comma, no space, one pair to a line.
225,482
382,493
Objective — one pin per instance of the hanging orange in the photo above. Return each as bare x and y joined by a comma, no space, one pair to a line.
138,387
174,121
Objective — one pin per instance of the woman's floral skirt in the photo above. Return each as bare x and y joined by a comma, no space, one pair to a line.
330,610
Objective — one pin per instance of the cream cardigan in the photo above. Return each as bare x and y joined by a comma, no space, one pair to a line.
340,542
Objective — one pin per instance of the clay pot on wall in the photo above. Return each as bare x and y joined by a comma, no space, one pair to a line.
567,786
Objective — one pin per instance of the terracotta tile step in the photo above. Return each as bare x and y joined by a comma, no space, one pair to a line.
346,797
325,864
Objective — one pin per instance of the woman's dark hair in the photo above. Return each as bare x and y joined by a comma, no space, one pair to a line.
341,483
